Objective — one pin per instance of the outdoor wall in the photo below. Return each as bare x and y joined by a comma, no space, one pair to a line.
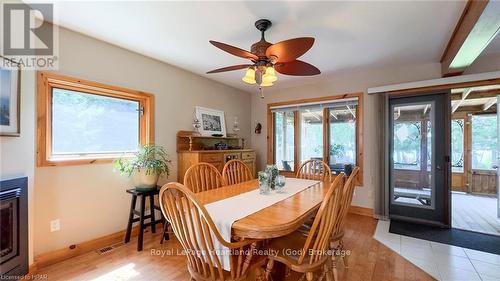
90,200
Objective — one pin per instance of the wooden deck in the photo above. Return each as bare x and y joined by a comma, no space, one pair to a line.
476,213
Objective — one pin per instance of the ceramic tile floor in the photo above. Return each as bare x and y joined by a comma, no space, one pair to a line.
442,261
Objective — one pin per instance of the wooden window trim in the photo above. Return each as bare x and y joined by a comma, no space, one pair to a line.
46,81
359,130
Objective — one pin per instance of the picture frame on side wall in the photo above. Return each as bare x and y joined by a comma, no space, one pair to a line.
10,98
212,121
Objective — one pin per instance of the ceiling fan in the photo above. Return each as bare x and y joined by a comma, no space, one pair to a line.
266,58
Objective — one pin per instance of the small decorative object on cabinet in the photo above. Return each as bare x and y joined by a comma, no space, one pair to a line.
145,167
193,149
258,128
212,121
10,96
196,126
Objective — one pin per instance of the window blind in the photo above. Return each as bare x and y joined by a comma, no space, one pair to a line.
315,105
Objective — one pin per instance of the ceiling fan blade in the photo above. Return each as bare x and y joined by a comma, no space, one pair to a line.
229,68
234,50
290,50
297,68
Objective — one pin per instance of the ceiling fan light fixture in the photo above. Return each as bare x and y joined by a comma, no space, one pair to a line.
249,77
270,75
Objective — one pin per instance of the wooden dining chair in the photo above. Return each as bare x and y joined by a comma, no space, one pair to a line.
195,230
236,171
314,169
202,177
308,254
336,241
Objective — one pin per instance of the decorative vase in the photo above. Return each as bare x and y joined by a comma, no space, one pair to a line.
272,171
144,181
263,178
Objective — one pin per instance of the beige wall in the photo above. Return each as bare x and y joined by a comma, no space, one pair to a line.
90,200
18,153
356,80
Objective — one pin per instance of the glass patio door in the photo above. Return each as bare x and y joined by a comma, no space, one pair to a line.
419,161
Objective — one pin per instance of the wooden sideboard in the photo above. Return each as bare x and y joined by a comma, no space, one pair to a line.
193,149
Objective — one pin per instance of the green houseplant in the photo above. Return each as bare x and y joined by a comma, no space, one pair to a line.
336,151
145,167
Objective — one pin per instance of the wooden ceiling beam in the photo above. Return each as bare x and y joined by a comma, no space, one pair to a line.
465,94
477,94
489,104
476,109
478,25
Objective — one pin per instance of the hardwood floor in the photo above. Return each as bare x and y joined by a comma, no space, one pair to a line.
370,260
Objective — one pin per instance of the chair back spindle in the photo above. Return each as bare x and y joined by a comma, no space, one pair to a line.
314,170
202,177
236,171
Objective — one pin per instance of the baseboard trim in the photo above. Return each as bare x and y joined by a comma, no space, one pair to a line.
361,211
56,256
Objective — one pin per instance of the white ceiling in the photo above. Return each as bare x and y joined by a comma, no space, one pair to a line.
348,34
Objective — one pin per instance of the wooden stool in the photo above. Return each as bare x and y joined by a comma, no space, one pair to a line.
142,217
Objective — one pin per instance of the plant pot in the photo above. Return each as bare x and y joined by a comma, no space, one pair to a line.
143,181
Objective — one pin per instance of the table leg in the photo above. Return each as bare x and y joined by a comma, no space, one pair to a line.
130,219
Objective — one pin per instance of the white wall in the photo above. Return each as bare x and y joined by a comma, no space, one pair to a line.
347,81
90,200
17,154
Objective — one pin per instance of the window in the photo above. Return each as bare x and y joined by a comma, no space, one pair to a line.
321,128
342,145
82,122
311,134
284,140
484,142
457,145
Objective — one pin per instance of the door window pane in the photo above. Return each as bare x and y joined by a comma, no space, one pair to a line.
457,145
311,134
411,176
284,140
84,123
484,142
407,139
342,147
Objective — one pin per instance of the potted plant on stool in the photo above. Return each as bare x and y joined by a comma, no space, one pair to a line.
145,167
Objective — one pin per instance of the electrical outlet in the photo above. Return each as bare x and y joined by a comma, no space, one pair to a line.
55,225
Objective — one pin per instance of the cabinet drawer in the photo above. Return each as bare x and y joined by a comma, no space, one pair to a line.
210,157
231,156
248,155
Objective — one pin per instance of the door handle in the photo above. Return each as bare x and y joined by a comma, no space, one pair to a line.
438,167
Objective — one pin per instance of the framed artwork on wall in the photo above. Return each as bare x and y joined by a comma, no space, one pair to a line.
212,121
10,98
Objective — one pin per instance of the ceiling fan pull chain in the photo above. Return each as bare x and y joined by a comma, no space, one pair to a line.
261,93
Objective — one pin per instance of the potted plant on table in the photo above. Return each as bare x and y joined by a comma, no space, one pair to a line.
145,167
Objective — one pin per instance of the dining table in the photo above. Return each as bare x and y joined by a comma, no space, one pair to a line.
277,220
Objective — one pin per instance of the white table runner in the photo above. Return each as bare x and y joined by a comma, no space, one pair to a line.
225,212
